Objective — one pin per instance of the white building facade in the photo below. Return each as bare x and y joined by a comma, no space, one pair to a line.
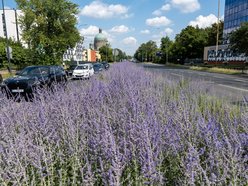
12,26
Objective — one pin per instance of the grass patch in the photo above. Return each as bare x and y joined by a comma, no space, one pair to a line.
217,70
5,74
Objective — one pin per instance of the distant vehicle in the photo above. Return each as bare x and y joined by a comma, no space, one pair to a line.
83,71
98,67
69,70
106,65
32,77
73,64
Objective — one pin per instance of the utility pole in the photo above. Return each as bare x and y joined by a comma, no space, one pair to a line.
6,36
217,37
17,30
167,50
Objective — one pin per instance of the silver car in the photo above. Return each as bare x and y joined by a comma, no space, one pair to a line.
83,71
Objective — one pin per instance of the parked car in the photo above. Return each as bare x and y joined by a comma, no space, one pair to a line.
32,77
106,65
98,67
83,71
69,70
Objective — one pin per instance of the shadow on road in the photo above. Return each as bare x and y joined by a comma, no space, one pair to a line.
162,66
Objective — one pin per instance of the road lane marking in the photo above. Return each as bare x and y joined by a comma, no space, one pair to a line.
241,80
176,74
227,86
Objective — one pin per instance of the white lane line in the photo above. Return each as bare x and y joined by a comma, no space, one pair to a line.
241,80
176,74
241,89
225,77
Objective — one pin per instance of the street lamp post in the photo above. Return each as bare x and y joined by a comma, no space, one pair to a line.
166,52
17,30
6,36
217,36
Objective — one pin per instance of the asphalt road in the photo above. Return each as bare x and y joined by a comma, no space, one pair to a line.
232,88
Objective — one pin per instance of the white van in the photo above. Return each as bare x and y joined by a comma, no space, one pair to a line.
83,71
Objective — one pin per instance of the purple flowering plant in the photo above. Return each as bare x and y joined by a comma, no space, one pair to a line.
126,126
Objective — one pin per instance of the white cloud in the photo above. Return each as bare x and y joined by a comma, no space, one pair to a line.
129,41
168,31
98,9
165,7
158,21
164,33
145,31
126,16
120,29
203,22
157,12
186,6
90,31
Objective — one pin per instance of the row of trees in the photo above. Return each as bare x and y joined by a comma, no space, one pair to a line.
48,29
239,39
111,55
189,43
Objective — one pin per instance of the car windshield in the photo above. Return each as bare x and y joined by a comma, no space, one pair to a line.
98,65
72,67
34,71
82,67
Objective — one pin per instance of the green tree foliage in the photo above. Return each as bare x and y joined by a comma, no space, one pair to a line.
48,28
120,55
212,34
166,49
146,52
239,39
190,43
20,57
106,53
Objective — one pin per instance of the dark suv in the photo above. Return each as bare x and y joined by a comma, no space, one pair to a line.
105,64
31,78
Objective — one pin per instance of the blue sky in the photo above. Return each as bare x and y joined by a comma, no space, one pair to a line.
129,23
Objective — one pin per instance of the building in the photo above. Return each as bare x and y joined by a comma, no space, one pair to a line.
74,54
12,26
223,56
80,53
236,13
100,40
91,55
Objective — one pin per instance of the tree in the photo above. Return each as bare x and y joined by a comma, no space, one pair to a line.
166,47
120,55
48,27
106,53
20,57
190,43
239,39
212,34
146,51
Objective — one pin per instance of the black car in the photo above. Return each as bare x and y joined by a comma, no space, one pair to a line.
32,77
98,67
105,64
